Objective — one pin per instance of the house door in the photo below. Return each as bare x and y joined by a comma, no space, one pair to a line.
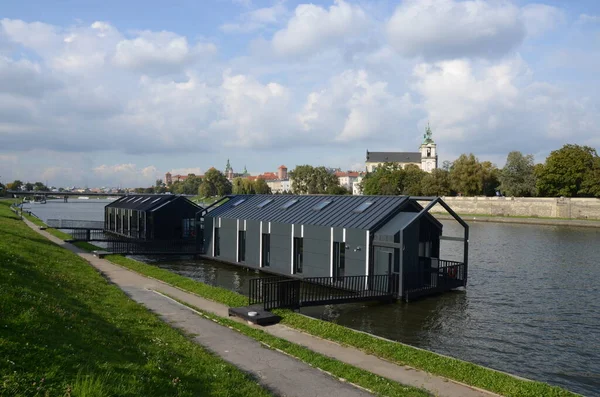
385,264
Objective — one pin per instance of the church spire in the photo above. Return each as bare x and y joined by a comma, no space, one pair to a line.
227,167
427,136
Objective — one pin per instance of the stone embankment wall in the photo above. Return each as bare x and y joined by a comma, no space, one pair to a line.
573,208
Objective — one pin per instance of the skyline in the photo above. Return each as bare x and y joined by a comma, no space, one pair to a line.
112,94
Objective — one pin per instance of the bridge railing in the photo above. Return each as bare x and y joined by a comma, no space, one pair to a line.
293,293
75,224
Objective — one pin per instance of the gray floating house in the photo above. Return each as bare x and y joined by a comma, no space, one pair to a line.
337,236
151,217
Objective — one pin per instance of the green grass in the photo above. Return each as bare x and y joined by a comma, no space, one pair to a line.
65,331
362,378
451,368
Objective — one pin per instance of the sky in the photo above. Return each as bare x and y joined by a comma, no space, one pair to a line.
117,93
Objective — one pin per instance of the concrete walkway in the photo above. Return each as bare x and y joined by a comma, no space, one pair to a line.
276,371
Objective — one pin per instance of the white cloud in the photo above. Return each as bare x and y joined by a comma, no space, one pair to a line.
24,78
186,171
256,19
313,28
128,174
162,51
586,18
38,36
354,108
8,158
255,114
491,107
540,18
448,29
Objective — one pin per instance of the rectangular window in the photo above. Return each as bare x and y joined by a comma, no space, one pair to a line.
321,205
189,228
238,202
242,246
363,207
298,248
264,203
289,204
266,250
339,260
217,242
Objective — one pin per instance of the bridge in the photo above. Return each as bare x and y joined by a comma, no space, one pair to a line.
65,195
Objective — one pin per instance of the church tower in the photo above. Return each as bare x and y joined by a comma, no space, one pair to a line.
429,158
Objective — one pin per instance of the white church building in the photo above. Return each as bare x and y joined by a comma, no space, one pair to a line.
426,158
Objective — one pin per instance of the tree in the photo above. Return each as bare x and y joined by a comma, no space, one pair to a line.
214,184
160,187
437,183
16,185
387,179
29,186
490,175
237,186
261,187
517,178
248,186
591,183
466,175
40,187
569,171
313,180
413,175
446,165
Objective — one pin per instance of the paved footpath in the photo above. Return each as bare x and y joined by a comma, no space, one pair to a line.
276,371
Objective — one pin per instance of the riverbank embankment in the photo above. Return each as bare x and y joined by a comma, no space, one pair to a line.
522,220
524,207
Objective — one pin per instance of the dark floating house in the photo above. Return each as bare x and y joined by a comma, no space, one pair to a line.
151,217
336,237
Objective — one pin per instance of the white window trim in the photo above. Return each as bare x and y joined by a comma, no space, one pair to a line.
367,258
292,256
331,254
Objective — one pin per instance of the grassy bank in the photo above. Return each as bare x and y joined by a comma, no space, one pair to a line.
65,331
461,371
402,354
365,379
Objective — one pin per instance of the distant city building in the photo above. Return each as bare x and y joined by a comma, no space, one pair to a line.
426,159
347,179
170,179
356,188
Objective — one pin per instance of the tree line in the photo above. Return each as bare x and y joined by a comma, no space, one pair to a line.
572,171
28,186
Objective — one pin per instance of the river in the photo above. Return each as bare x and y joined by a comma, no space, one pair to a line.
531,308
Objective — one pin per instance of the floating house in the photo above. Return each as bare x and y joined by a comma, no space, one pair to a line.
337,237
151,217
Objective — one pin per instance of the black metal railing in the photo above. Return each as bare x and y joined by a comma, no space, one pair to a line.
433,275
151,247
282,292
74,224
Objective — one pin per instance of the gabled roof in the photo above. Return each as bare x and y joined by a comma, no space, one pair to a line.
340,212
146,202
393,157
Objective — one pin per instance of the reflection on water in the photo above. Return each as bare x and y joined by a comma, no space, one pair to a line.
531,307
